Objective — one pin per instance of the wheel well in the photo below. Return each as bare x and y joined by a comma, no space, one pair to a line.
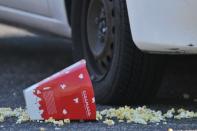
68,5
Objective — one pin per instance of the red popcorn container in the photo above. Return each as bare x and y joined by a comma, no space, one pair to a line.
67,94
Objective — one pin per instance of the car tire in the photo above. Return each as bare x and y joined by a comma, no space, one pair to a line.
128,75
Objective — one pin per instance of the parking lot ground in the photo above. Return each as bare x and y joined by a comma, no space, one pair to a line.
26,58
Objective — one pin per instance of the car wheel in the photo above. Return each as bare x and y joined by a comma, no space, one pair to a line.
120,72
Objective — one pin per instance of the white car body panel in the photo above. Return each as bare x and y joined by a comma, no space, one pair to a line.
53,19
158,26
166,26
28,6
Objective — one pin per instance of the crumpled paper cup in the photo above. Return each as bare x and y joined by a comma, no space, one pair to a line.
67,94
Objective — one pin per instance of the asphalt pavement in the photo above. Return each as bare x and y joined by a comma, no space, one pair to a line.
27,57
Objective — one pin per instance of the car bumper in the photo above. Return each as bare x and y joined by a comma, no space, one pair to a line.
164,26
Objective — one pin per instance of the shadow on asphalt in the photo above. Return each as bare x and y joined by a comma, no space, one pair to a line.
180,78
26,60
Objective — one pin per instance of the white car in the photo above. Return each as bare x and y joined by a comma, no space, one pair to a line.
122,40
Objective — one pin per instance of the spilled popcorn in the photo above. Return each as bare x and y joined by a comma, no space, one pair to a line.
142,115
59,123
42,129
109,122
19,113
182,113
139,115
186,96
22,117
170,113
98,116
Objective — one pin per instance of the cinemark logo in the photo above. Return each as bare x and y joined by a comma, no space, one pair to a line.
86,103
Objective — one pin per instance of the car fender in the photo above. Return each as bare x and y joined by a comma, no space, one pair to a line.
164,26
54,20
59,13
